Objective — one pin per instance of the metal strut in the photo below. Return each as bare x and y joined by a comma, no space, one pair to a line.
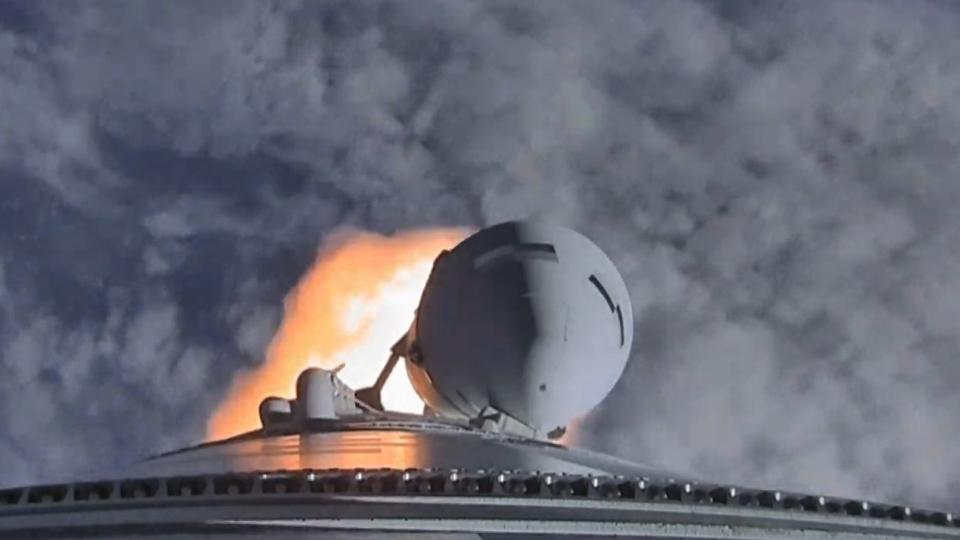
370,396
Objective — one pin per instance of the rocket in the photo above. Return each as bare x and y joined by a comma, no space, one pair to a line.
520,329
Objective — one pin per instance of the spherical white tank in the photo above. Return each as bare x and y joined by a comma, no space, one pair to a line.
530,319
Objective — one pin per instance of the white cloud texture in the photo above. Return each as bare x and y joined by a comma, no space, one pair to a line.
778,182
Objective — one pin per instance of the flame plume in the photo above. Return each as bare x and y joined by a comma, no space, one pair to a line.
350,307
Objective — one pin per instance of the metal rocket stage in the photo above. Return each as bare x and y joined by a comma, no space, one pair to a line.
403,476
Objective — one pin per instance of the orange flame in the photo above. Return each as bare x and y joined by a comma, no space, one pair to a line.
353,304
573,434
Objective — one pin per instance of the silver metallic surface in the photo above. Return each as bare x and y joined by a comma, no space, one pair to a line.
455,500
360,447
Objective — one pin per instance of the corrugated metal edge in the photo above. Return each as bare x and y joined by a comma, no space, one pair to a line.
453,483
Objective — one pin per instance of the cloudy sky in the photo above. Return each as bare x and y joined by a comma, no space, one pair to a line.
778,182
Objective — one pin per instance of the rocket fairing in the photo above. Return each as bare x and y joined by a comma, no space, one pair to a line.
520,328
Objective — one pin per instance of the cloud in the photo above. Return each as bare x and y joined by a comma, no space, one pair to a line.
776,181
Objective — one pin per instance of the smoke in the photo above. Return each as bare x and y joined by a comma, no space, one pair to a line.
776,181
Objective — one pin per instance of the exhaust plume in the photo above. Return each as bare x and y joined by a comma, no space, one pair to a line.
349,308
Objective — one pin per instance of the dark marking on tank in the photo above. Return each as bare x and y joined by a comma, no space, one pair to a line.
603,291
620,320
539,251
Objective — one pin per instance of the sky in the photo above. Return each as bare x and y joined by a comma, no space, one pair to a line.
777,182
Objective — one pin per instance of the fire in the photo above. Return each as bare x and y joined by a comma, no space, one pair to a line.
572,435
356,300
